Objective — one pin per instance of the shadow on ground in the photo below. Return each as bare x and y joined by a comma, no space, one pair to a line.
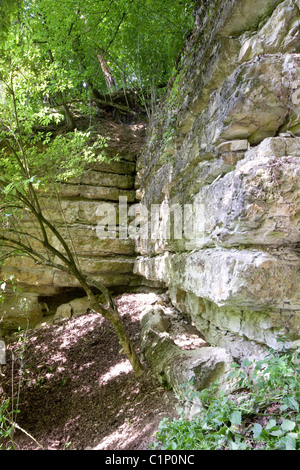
77,391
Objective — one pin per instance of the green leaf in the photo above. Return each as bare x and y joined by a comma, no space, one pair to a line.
276,433
246,363
288,425
291,403
173,445
233,445
271,424
284,407
236,418
257,430
290,442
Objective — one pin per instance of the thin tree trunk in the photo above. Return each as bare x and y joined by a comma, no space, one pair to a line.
112,315
109,79
123,338
69,118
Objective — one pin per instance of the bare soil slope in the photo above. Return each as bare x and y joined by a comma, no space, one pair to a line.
78,392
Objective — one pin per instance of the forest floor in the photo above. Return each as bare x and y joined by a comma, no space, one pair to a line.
76,391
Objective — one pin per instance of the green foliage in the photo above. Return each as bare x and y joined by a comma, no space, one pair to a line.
50,64
7,8
61,42
50,55
262,412
6,425
9,408
11,281
32,157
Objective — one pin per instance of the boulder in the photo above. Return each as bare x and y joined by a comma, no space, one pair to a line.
174,366
74,308
63,311
20,310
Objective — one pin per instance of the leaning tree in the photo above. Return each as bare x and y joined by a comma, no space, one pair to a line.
29,165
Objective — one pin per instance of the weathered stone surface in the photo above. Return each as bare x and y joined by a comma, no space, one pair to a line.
231,112
173,366
234,151
214,53
102,193
79,306
245,333
241,15
97,178
20,310
26,271
74,308
118,167
154,318
280,32
237,303
240,278
63,279
86,242
233,146
257,203
63,311
77,212
112,271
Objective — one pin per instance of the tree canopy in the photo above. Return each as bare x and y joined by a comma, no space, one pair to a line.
75,51
7,7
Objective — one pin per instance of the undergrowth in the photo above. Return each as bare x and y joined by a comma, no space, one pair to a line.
9,406
260,413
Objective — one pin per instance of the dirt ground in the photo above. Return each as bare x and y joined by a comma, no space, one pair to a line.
77,391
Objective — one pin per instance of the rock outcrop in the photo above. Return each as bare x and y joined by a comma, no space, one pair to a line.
175,366
76,211
218,193
219,178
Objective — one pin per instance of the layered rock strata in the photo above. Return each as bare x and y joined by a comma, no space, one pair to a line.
219,178
76,210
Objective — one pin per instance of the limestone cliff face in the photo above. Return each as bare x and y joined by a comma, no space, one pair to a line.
223,153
